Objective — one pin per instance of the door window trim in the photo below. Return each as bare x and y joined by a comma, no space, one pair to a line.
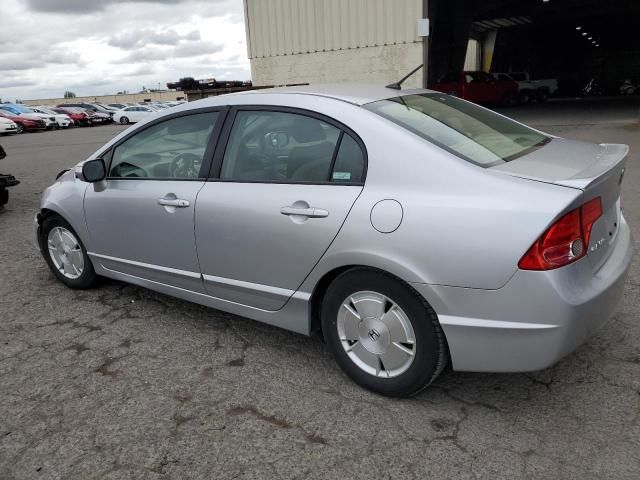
225,135
209,151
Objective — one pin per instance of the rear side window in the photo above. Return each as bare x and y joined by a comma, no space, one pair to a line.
471,132
349,163
282,147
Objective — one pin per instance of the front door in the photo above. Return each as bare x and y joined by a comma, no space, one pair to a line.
141,218
287,182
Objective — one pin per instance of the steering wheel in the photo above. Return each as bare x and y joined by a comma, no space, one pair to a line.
185,165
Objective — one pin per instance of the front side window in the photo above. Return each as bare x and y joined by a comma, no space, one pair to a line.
174,148
471,132
267,146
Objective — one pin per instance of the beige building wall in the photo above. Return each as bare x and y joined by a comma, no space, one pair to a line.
126,98
321,41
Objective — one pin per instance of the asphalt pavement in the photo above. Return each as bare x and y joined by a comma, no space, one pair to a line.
120,382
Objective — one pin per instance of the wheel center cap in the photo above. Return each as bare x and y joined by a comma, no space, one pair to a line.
374,335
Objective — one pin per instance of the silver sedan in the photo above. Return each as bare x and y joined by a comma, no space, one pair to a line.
410,228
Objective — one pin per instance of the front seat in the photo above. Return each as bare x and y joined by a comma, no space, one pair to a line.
248,166
315,158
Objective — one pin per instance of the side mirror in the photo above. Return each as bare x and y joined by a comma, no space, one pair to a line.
94,170
3,154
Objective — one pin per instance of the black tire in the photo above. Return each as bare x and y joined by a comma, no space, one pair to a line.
20,128
524,97
431,353
124,121
509,100
88,278
542,95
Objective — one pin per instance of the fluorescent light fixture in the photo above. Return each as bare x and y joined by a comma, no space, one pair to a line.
578,28
584,34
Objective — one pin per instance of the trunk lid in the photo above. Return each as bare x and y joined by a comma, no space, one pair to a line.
597,170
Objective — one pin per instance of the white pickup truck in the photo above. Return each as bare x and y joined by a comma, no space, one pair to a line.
529,89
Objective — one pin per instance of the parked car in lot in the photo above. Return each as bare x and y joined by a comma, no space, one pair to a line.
479,87
528,89
100,114
117,106
79,116
132,114
21,110
411,228
6,181
24,122
62,119
7,126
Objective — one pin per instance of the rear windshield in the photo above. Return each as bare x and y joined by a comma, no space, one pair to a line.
462,128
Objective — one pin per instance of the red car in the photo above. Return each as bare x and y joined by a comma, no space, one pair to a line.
479,87
24,124
78,115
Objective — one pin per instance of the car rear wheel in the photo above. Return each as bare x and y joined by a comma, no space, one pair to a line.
509,100
383,334
524,97
124,120
542,95
65,254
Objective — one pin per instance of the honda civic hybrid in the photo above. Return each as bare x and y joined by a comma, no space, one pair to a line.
410,228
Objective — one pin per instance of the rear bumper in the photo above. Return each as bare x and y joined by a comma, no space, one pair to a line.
536,318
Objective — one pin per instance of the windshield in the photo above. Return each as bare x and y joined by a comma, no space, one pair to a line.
16,109
471,132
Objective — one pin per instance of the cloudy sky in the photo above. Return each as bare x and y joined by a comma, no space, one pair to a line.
95,47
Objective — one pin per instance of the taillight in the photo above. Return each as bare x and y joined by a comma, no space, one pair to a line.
591,211
565,241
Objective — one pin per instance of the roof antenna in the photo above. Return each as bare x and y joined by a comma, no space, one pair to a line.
398,85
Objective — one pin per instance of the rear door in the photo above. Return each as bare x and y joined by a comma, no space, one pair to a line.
475,90
285,184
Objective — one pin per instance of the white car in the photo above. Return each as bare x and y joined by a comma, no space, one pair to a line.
132,114
63,121
150,106
529,89
7,126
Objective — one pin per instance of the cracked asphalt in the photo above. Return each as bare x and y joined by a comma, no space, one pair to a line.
119,382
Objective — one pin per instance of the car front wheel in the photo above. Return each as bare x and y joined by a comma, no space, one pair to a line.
19,128
383,334
124,121
65,254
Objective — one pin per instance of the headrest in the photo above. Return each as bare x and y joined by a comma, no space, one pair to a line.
307,130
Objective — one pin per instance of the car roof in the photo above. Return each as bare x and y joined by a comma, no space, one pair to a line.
355,93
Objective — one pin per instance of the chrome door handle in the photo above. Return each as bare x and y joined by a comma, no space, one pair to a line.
173,202
310,212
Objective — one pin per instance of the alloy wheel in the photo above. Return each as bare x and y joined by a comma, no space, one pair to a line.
376,334
65,252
